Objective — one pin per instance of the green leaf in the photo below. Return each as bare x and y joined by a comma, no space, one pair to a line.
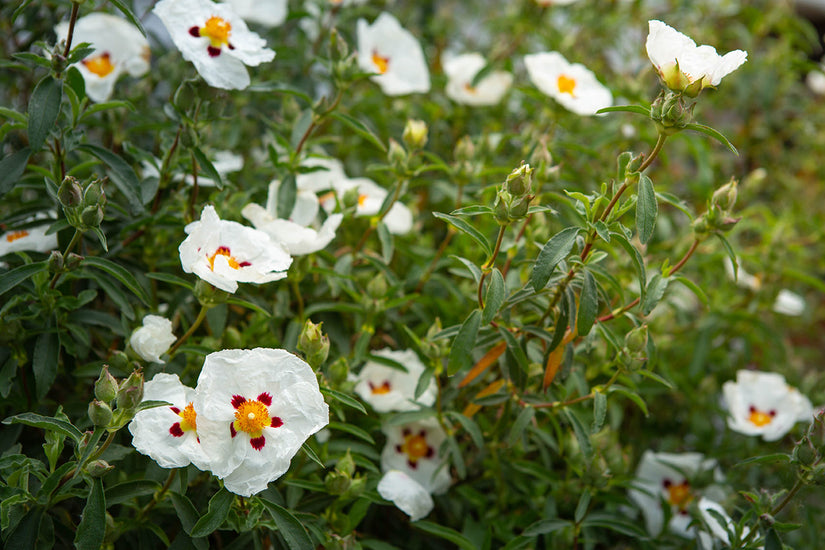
207,167
287,194
347,400
24,534
92,526
556,249
588,305
387,246
46,423
361,129
468,229
599,411
614,523
120,273
696,289
461,351
44,107
313,455
300,129
124,9
11,279
646,209
772,541
152,404
171,279
11,168
546,526
764,459
469,426
219,506
121,174
494,298
445,533
473,210
582,506
730,252
515,348
581,433
632,396
715,134
637,109
44,362
654,292
294,534
636,256
126,491
353,430
521,422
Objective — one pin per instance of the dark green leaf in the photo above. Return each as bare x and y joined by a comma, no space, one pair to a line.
44,362
44,107
294,534
581,433
124,9
118,272
24,534
468,229
646,209
445,533
287,194
599,411
524,418
546,526
300,129
46,423
494,298
654,292
556,249
772,541
715,134
588,305
615,523
123,492
171,279
473,210
731,254
312,455
637,109
765,459
353,430
219,506
387,246
11,168
92,526
361,129
121,174
515,348
638,261
632,396
461,351
470,426
11,279
583,506
345,399
207,167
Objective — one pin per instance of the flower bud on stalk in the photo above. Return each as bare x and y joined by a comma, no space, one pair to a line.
415,134
636,340
313,344
56,262
397,156
338,372
98,468
100,413
520,181
725,196
130,393
106,386
70,194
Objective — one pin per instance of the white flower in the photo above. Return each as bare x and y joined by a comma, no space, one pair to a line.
119,48
294,233
816,80
572,85
169,434
684,66
462,69
269,13
215,39
665,476
152,339
32,238
546,3
705,507
256,408
406,493
225,253
390,389
762,403
789,303
386,48
413,449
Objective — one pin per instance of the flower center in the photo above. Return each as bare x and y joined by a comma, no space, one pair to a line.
12,236
469,89
381,63
566,85
101,65
252,417
230,259
189,417
760,418
362,199
678,495
217,30
383,389
415,447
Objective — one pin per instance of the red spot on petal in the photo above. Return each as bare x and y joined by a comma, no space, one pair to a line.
406,431
412,464
265,398
772,413
195,31
751,409
430,452
276,422
199,440
213,51
175,410
398,449
237,400
257,442
244,264
666,483
175,430
423,433
231,47
232,429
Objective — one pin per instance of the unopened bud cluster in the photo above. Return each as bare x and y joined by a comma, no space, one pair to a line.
671,112
513,198
718,218
115,403
314,344
83,204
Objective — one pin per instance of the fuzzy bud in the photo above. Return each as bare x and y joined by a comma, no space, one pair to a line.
520,181
99,468
94,194
56,262
100,413
209,295
415,134
337,483
130,393
397,155
106,386
70,194
92,216
725,196
346,465
338,372
314,344
377,287
636,339
73,260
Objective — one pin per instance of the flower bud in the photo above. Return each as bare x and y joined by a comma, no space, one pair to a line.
73,261
337,483
377,287
397,155
209,295
337,45
520,207
100,413
465,150
314,344
725,196
357,486
70,194
119,361
232,338
189,137
59,62
346,465
415,134
56,262
636,340
106,386
635,163
501,209
94,195
351,197
520,180
804,453
99,468
130,393
92,216
338,372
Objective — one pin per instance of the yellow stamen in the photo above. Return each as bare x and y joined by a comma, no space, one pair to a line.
383,389
566,85
101,65
469,89
252,417
759,418
12,236
415,447
189,417
679,495
362,199
381,63
223,251
217,30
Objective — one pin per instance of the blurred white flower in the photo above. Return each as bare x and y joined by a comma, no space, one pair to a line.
119,46
32,238
705,506
406,493
762,403
256,408
816,81
546,3
462,69
215,39
225,162
389,389
153,339
389,50
168,434
224,253
684,66
787,302
413,449
269,13
572,85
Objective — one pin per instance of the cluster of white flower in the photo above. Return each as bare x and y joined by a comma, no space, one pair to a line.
249,414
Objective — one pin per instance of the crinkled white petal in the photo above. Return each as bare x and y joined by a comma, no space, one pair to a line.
588,95
269,13
150,429
268,260
406,493
297,239
28,239
431,472
789,303
306,205
296,400
406,69
153,339
388,389
462,69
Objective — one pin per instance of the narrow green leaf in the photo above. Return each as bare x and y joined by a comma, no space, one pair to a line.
494,298
646,209
300,129
632,396
46,423
207,167
546,526
118,272
289,527
92,526
11,168
313,455
287,194
772,541
588,305
556,249
219,506
44,362
445,533
121,175
461,351
638,261
387,245
515,348
469,426
124,9
127,490
715,134
581,433
730,252
583,506
468,229
599,411
521,422
654,292
764,459
352,430
347,400
637,109
474,270
171,279
473,210
361,129
152,404
696,289
11,279
44,107
615,523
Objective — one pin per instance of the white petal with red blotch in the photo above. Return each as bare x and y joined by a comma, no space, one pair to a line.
295,399
432,472
406,70
406,493
401,394
150,429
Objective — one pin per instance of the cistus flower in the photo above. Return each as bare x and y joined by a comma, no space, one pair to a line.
215,39
682,65
389,50
406,493
224,253
390,389
256,408
269,13
153,339
571,84
413,449
462,69
762,403
786,302
119,46
33,238
169,433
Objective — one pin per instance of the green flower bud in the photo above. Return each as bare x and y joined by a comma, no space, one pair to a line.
232,338
94,194
208,295
100,413
337,483
356,488
377,287
520,208
636,340
338,372
313,344
520,180
465,150
397,155
337,45
189,137
73,261
415,134
725,196
501,208
346,465
99,468
119,360
59,62
56,262
804,453
92,216
70,194
106,386
130,393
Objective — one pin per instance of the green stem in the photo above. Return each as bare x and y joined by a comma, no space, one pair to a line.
490,264
182,340
95,455
383,215
158,496
298,298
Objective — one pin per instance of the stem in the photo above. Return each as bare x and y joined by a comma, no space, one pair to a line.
654,153
198,320
95,455
70,34
194,197
575,400
490,264
75,239
158,496
299,299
